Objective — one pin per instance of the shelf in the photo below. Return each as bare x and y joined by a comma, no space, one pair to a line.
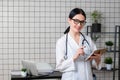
116,35
104,32
104,69
113,51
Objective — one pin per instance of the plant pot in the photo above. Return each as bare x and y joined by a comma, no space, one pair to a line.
108,66
23,74
109,48
96,27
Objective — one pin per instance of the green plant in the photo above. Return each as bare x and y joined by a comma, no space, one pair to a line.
96,16
95,37
24,69
108,43
108,60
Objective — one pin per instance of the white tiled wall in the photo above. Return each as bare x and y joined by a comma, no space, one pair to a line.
29,28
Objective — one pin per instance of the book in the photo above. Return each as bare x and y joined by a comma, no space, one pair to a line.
98,51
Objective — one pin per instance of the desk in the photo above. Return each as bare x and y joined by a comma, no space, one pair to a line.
54,75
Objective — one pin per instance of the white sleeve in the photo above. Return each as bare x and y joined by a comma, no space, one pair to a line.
63,65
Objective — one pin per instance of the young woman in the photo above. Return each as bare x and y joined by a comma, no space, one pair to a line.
72,49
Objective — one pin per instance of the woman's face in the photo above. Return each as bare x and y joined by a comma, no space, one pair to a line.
77,23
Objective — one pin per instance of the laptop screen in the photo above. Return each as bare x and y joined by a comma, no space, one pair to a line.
30,66
37,68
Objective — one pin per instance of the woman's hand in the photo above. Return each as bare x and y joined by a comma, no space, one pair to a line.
79,52
96,57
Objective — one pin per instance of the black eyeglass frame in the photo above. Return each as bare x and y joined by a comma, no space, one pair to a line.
76,21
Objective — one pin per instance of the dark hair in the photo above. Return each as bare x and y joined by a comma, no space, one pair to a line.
74,12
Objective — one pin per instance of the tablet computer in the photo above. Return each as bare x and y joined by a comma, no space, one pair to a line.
98,51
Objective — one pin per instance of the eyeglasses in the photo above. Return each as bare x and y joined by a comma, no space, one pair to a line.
76,21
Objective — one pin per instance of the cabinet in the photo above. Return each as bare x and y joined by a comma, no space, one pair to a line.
115,50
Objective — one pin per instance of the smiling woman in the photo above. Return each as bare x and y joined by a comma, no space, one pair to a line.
72,49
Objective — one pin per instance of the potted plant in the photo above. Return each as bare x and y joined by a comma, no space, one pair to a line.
108,61
24,72
96,25
109,45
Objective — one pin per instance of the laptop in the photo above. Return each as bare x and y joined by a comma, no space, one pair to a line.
35,68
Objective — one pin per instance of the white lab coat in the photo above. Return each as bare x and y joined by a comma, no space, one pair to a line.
74,70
